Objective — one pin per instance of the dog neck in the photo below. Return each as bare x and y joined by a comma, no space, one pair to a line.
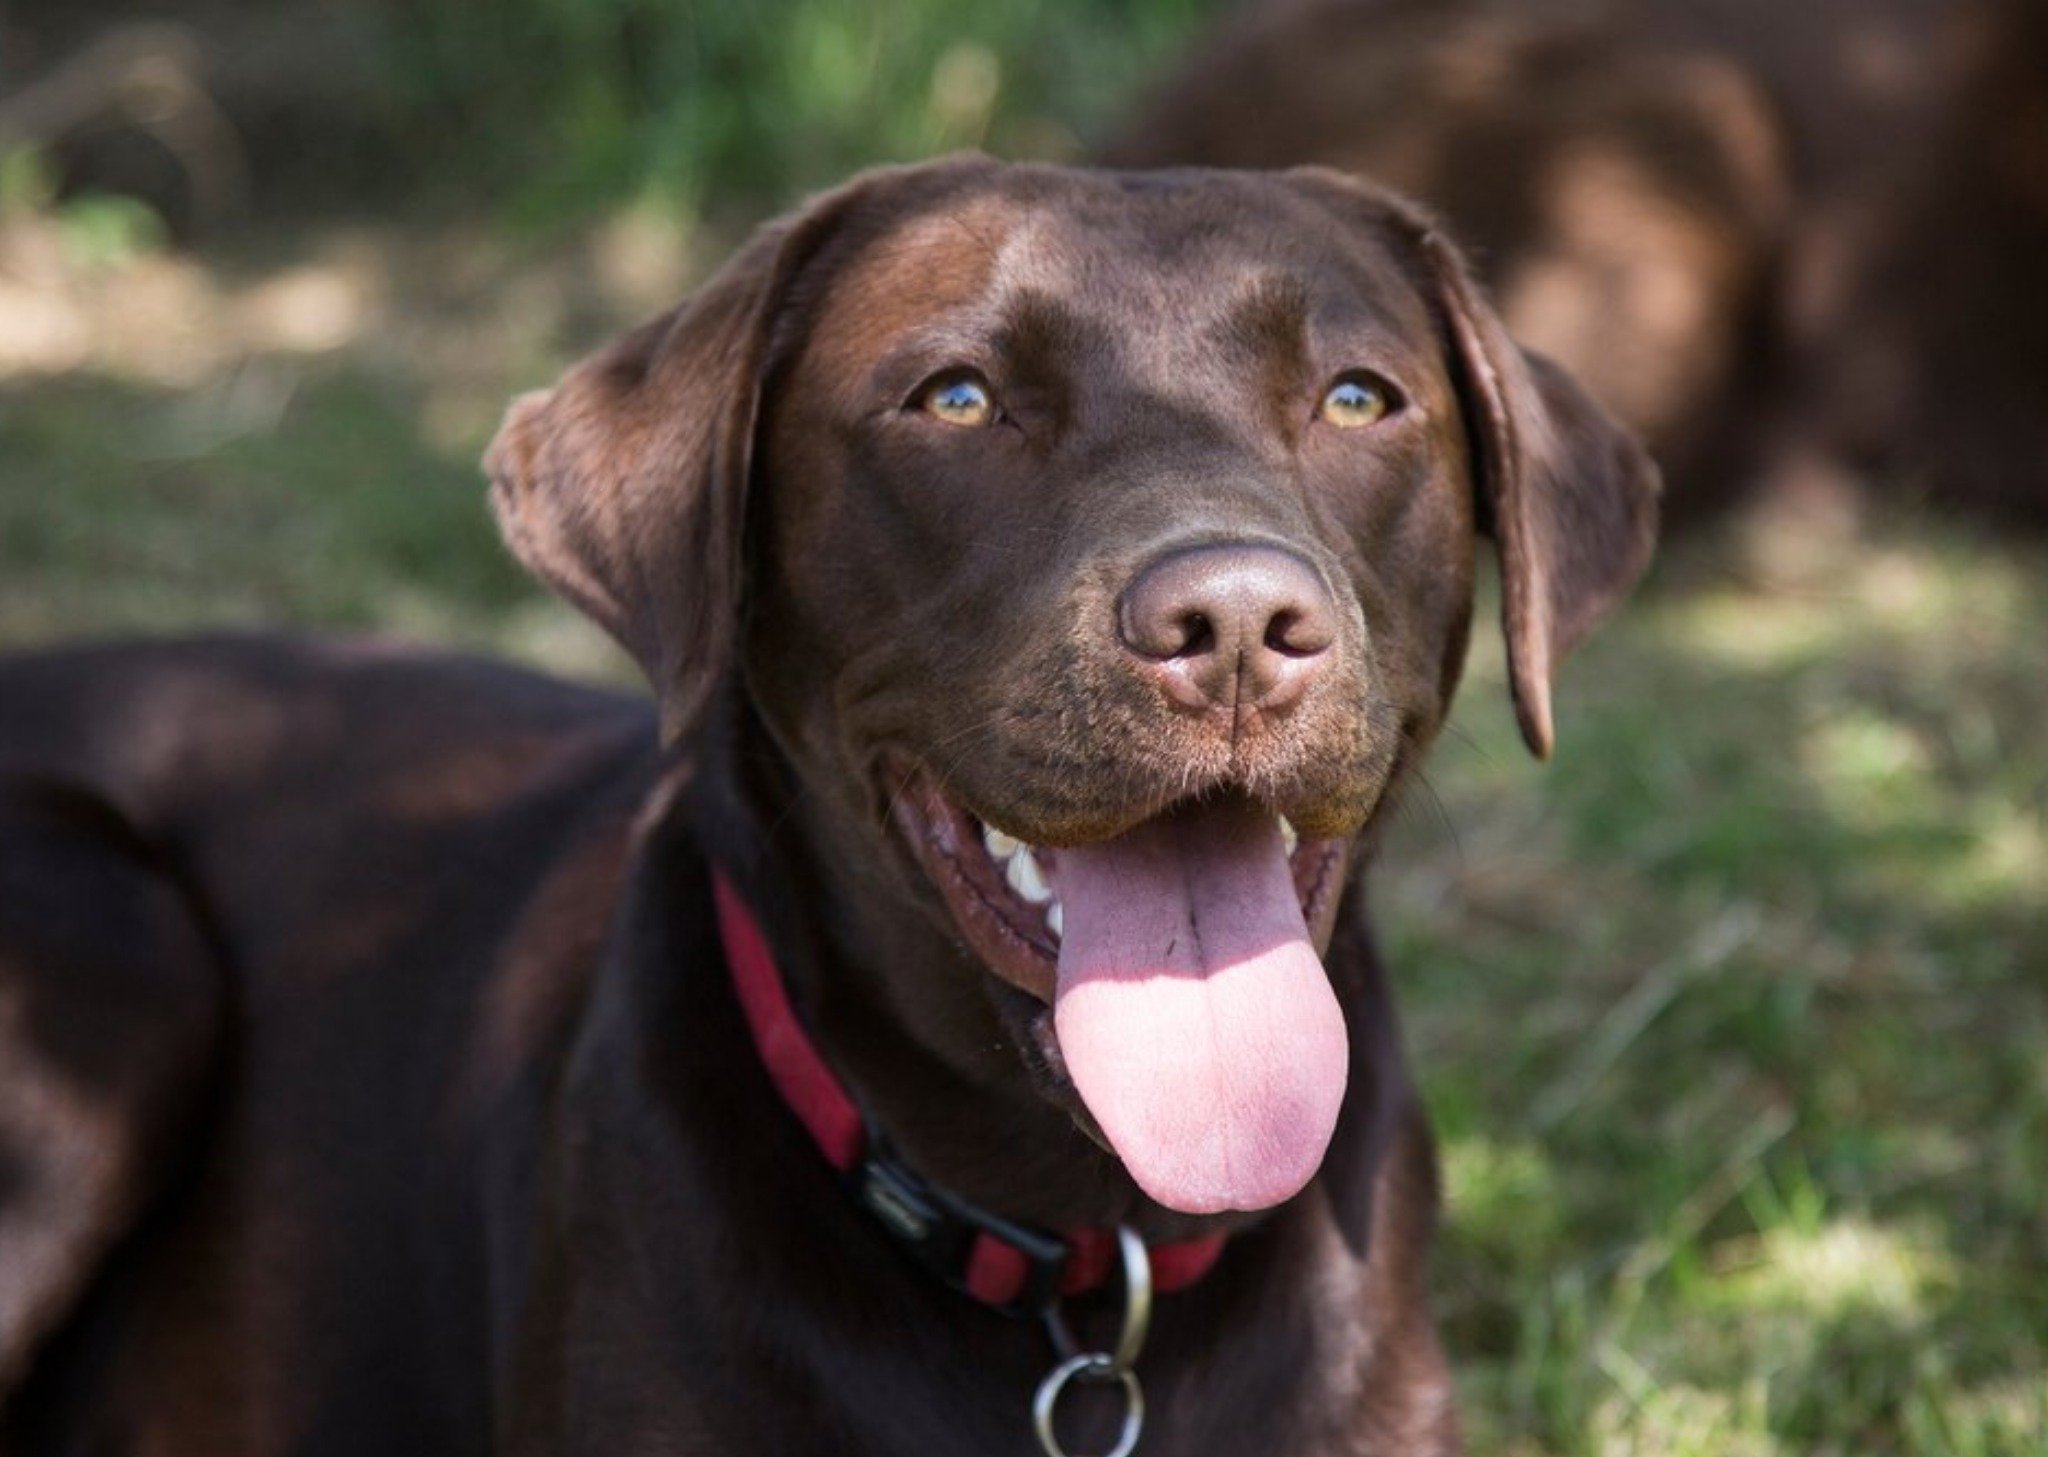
906,1021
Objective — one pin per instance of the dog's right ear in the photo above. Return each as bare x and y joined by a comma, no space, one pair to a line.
624,488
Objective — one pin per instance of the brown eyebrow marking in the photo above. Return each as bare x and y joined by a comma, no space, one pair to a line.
1270,324
1265,333
1039,333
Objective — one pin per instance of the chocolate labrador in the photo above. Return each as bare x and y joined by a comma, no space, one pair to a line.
946,1022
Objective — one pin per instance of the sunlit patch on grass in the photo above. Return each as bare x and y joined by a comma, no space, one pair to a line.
1743,633
2007,1418
1870,594
1846,1266
1644,1416
1865,764
2006,858
1502,1196
310,309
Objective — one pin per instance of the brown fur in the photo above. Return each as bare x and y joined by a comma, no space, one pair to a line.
487,1161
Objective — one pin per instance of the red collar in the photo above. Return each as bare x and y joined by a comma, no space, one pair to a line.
999,1263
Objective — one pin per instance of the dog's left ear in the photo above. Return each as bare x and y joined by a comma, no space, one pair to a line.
1569,496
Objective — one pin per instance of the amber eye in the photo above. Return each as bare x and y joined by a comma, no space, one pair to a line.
958,399
1357,400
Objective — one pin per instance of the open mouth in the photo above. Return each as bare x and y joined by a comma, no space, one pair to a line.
1004,892
1181,961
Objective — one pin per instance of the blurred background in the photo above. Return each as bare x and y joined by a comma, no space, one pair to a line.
1733,1019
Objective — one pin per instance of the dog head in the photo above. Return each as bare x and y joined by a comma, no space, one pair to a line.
1097,550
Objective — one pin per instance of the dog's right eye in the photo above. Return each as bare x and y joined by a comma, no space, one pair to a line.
957,399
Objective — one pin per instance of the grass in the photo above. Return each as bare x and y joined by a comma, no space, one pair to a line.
338,517
1732,1019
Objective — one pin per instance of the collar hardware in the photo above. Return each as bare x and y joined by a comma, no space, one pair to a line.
945,1234
1102,1367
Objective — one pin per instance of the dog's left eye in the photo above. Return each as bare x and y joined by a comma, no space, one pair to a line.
1356,399
957,399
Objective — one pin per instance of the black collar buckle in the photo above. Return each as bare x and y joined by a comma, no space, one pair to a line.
939,1230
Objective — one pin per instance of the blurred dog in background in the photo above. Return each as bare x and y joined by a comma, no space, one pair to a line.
1786,243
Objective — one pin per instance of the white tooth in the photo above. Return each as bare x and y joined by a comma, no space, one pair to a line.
1023,874
1000,846
1287,835
1056,919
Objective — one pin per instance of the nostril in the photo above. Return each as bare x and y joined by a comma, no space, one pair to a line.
1281,635
1296,633
1197,636
1167,632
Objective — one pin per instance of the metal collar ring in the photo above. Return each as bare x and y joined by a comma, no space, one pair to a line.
1091,1367
1137,1307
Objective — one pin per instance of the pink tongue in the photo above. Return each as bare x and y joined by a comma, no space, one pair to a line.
1193,1013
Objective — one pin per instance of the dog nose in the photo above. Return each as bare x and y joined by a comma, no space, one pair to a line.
1248,627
